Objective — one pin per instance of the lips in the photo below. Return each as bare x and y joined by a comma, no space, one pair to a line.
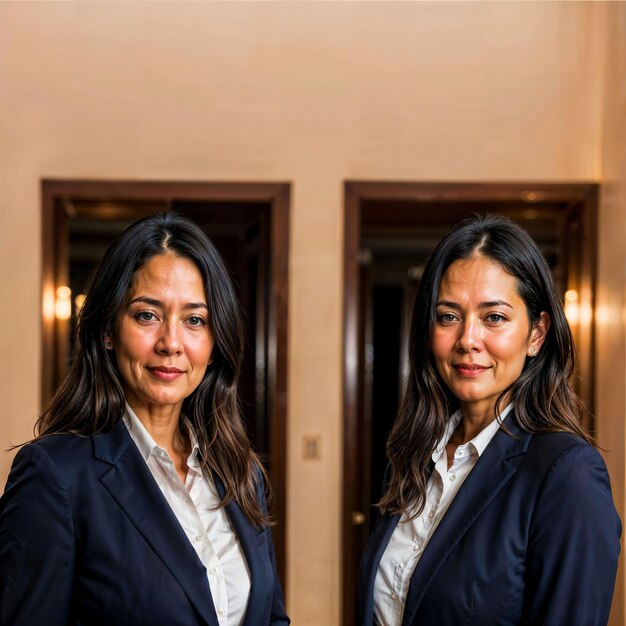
165,373
470,370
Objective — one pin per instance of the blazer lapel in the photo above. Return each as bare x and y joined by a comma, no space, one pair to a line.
374,550
369,564
492,471
246,533
133,487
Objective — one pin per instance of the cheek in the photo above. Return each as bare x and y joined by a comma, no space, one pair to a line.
132,352
509,349
200,351
442,345
135,349
441,356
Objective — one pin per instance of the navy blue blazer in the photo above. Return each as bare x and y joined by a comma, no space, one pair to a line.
88,539
532,537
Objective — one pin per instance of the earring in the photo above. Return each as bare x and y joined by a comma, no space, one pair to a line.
108,345
533,353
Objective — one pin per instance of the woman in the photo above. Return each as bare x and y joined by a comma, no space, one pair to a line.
141,501
497,509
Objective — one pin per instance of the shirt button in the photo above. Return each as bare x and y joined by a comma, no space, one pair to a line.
417,545
220,612
198,537
394,595
452,476
431,513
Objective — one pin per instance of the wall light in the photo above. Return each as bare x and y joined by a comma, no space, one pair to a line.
572,312
63,304
48,303
79,300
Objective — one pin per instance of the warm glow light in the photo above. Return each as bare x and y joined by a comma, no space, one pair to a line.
64,292
572,312
63,304
603,315
79,300
48,303
585,314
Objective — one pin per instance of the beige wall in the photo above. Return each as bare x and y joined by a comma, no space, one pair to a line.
312,93
611,301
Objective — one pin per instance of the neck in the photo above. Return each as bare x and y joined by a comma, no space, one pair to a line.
163,426
471,424
466,431
477,416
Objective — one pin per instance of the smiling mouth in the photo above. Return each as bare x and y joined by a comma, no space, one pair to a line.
165,373
470,370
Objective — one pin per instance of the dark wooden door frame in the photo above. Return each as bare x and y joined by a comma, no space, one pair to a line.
277,196
355,193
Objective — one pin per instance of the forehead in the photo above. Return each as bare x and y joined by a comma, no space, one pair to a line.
168,272
481,277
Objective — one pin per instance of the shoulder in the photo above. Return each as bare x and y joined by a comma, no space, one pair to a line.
64,455
559,447
573,496
60,448
555,462
569,465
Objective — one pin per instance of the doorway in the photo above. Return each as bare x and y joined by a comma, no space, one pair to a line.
249,225
390,230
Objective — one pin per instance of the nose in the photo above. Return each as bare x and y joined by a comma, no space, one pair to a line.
169,342
470,338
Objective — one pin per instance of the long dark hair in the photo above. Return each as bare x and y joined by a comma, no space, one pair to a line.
91,400
542,398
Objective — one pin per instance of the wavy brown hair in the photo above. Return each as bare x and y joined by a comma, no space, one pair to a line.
91,400
543,400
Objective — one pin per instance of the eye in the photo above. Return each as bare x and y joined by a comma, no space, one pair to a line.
446,318
145,316
495,318
196,320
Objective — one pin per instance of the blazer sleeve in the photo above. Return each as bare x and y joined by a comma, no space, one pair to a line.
278,616
37,544
574,543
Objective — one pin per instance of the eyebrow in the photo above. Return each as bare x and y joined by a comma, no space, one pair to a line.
481,305
161,304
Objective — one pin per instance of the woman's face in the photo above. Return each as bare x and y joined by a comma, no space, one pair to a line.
162,339
482,334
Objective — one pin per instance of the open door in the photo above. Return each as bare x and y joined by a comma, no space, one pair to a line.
249,225
390,230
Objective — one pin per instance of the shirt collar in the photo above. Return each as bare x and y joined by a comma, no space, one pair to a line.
478,443
486,434
147,445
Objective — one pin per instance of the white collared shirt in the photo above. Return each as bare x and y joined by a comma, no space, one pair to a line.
207,527
410,537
